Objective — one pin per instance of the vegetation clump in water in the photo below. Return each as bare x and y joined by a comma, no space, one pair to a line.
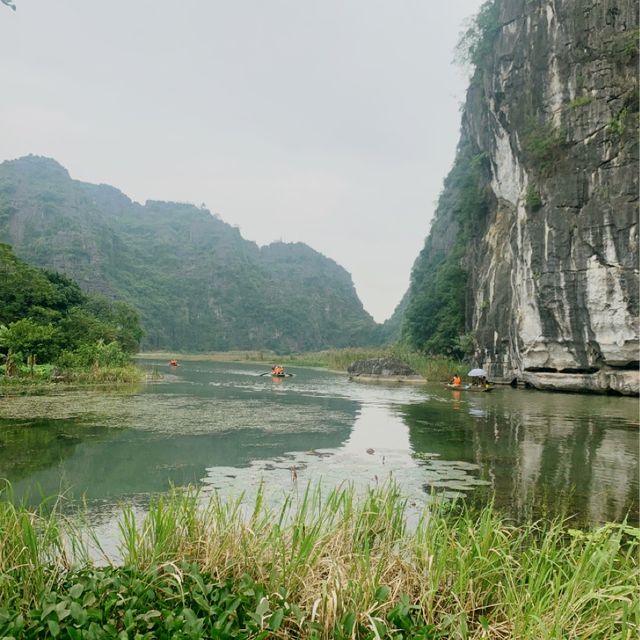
326,566
432,368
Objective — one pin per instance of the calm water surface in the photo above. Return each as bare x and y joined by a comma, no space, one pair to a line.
225,428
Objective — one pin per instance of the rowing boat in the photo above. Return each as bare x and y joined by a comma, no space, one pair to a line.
468,387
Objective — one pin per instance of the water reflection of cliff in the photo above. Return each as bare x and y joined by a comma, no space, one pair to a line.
542,453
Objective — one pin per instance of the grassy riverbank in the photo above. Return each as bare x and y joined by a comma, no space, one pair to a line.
431,368
48,376
332,566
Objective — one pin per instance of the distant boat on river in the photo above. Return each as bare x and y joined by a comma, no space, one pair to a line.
468,387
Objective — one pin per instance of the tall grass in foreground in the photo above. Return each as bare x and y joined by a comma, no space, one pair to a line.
338,565
30,545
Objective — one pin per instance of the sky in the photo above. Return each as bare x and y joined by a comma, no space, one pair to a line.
328,122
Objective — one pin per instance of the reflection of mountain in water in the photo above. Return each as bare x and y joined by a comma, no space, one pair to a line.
30,446
127,462
542,453
107,445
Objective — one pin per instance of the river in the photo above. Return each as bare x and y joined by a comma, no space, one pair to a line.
223,427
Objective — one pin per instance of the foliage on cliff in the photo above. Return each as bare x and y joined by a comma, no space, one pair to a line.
199,286
45,318
476,42
552,110
435,316
434,320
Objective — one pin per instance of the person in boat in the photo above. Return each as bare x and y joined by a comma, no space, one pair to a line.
278,370
173,362
456,380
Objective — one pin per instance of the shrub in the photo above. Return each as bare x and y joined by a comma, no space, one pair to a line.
533,201
94,355
541,145
477,41
617,125
580,101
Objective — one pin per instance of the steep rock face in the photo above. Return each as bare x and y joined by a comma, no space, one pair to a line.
199,285
552,109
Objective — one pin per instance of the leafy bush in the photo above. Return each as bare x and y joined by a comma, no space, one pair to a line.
436,312
476,43
618,123
533,201
541,145
580,101
98,354
29,338
45,318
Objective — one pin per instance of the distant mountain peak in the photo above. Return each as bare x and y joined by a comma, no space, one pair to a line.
37,166
198,284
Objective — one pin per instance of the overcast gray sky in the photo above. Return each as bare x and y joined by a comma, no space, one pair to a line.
328,122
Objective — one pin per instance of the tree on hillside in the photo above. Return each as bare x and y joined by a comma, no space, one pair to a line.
45,317
35,342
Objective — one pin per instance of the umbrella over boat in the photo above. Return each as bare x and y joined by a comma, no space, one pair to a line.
477,373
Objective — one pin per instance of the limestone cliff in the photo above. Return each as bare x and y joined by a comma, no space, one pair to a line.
551,259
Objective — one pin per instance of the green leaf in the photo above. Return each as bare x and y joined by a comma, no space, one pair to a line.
62,611
76,591
276,619
54,628
89,599
348,623
262,608
128,619
382,593
190,616
78,613
154,613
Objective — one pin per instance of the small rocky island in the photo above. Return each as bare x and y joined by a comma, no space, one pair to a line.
383,370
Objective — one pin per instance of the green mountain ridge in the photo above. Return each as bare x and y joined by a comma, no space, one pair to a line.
198,284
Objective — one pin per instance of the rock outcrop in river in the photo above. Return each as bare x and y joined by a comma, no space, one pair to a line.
382,370
539,215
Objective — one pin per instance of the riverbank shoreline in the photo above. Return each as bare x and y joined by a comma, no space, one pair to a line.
432,369
74,379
